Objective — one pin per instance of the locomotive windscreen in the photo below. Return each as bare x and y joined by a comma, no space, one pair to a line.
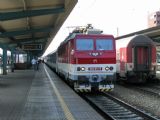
84,44
88,44
104,44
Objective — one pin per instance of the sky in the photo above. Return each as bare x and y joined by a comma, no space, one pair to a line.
116,17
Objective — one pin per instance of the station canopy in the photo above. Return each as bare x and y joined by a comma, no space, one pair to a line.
153,33
30,25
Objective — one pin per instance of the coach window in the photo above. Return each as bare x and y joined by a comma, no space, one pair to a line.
104,44
84,44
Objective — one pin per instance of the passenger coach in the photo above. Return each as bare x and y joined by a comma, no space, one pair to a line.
87,59
136,59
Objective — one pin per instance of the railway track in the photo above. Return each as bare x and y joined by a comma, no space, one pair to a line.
115,109
149,89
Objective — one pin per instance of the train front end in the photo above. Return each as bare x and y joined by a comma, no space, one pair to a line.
94,63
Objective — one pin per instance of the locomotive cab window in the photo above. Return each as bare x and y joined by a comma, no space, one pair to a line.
104,44
84,44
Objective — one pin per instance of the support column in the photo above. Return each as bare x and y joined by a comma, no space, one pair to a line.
12,60
4,60
28,58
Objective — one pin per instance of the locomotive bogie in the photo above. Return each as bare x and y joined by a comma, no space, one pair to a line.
98,81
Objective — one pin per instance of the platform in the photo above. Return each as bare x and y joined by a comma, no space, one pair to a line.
41,95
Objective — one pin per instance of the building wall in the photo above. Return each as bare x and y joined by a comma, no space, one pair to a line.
154,19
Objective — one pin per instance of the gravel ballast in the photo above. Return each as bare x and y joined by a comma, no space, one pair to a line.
143,101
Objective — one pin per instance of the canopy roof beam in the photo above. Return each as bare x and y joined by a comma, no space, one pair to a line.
23,32
29,13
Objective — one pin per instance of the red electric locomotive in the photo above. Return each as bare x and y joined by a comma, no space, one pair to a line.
136,59
87,59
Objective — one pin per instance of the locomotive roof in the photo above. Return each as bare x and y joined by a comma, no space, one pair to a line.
70,36
85,30
73,35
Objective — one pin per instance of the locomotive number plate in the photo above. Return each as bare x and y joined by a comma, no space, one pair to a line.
95,68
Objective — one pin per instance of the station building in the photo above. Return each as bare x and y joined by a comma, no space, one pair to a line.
154,19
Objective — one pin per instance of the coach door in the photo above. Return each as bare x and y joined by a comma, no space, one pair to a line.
142,58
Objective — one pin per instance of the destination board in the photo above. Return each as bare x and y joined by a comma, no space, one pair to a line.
32,47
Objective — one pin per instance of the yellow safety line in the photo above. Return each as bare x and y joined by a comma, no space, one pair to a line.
66,110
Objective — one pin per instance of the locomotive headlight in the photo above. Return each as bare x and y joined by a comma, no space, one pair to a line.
111,68
107,68
82,68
